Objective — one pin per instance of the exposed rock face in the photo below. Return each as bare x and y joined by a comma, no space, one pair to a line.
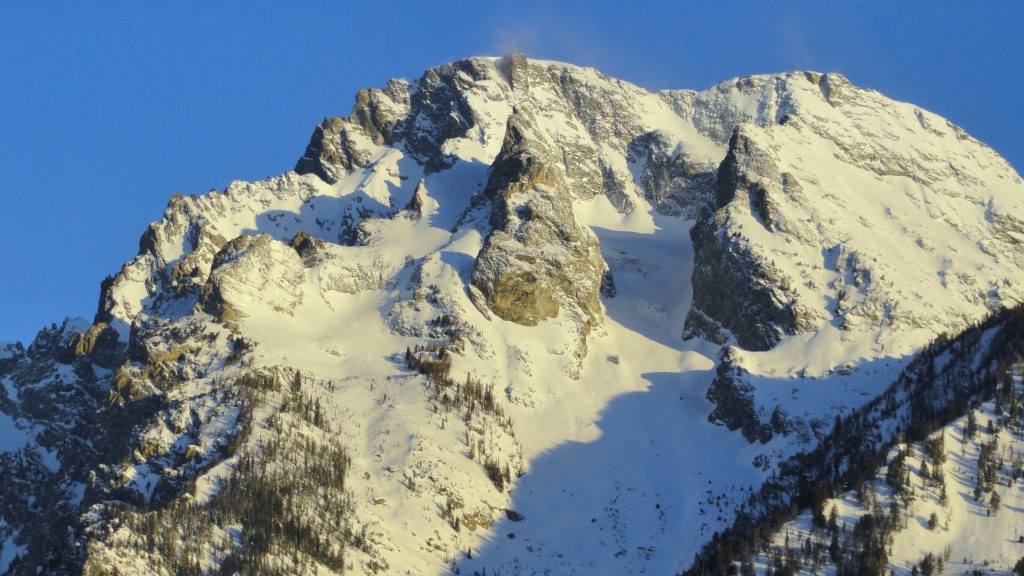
306,246
671,182
99,343
340,145
399,112
733,398
734,286
417,204
747,170
253,271
515,68
328,153
9,354
63,429
338,275
537,261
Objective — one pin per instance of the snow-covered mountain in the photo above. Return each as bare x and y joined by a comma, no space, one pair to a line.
515,316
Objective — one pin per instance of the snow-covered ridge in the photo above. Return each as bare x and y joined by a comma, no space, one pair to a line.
937,214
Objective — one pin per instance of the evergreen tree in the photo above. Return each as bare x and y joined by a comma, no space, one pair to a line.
972,426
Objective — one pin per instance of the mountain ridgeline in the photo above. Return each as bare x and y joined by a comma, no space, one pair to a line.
520,317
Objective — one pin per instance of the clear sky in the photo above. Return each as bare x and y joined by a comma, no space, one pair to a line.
106,109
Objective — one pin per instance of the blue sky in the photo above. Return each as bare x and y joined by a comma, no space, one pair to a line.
106,109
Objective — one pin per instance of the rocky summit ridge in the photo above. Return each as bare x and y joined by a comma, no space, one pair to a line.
433,345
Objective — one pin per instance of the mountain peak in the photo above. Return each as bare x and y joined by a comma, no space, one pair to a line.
475,297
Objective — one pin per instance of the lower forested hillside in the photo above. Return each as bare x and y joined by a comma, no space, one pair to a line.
941,446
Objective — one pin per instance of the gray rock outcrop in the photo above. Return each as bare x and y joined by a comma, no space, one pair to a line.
735,287
537,262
